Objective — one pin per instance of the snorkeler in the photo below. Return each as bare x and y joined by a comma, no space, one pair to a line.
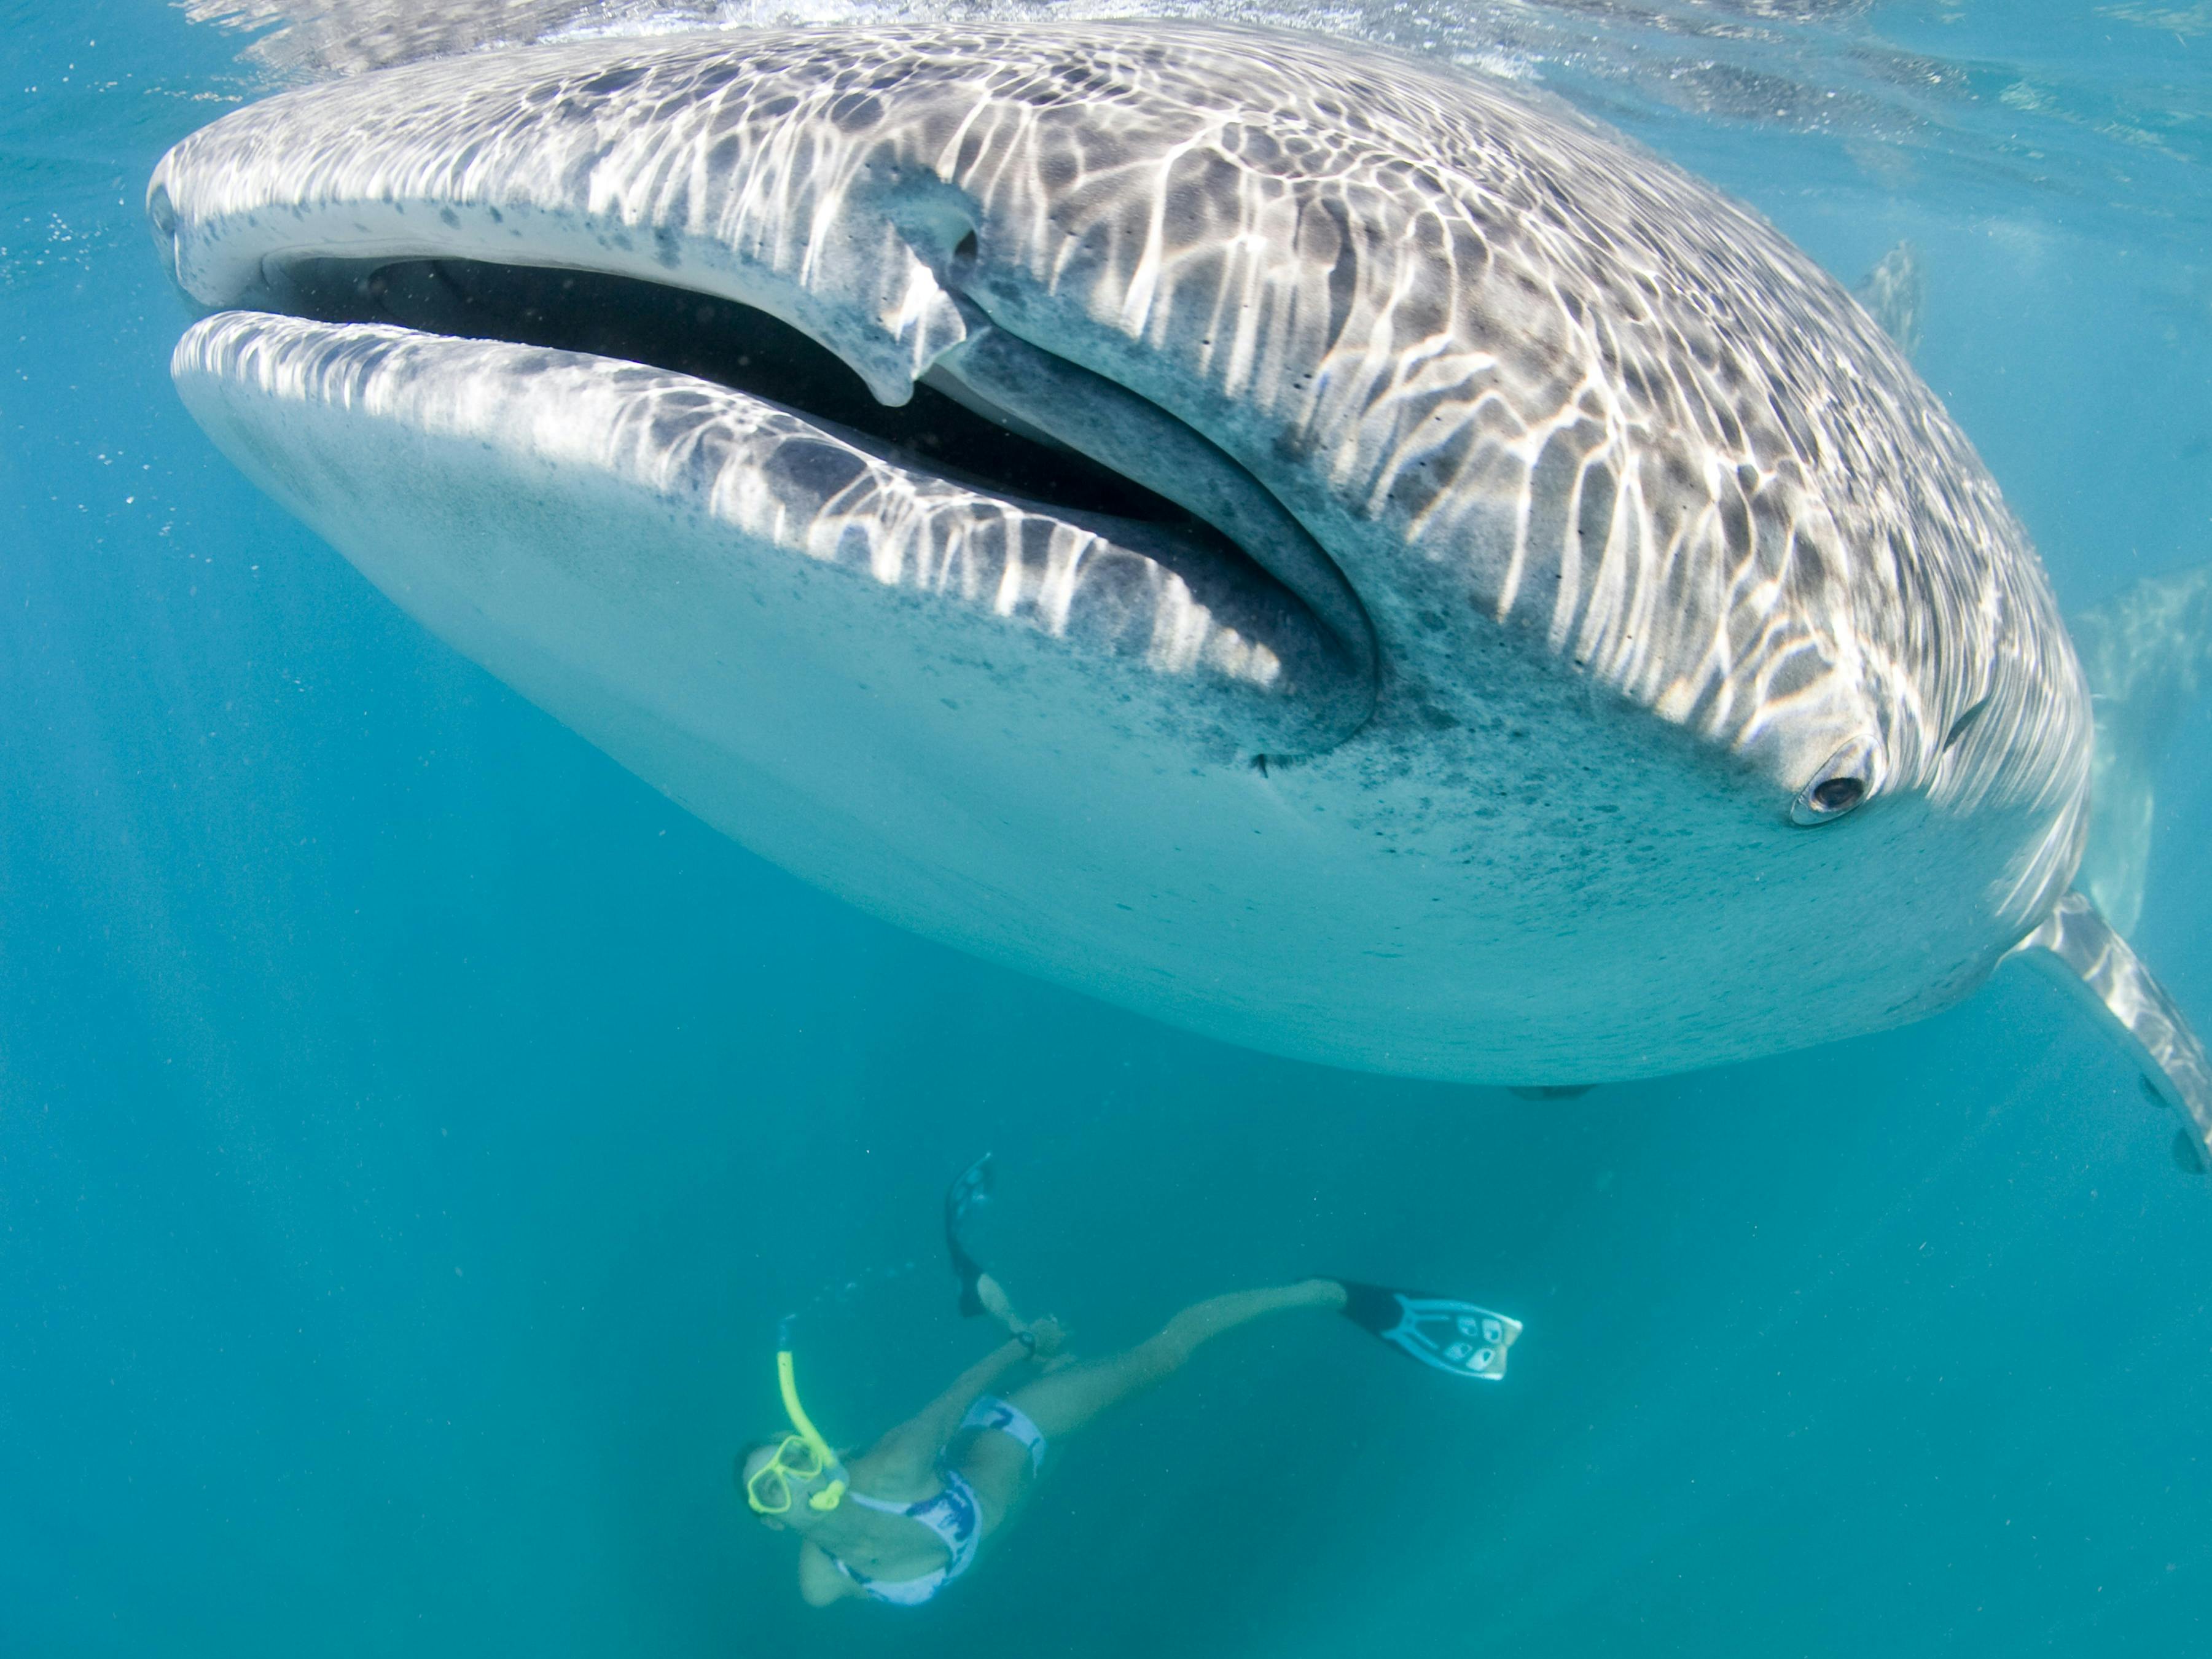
904,1518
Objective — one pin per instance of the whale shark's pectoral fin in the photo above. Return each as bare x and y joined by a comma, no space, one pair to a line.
1895,295
2077,947
2145,653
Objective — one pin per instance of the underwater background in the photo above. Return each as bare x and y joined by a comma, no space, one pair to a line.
412,1126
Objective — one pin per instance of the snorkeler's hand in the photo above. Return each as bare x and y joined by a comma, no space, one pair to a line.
1048,1335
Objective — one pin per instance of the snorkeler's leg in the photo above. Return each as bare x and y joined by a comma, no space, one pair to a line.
1067,1400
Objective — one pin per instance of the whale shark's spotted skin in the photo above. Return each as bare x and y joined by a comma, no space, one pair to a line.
1628,530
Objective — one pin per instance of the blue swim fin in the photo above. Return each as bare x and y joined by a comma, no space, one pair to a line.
1456,1338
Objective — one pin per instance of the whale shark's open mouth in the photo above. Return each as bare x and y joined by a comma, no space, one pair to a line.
859,394
742,348
443,307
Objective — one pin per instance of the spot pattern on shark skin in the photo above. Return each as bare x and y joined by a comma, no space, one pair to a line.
1663,551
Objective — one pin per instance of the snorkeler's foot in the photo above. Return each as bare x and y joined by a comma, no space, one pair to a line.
970,1189
1456,1338
990,1297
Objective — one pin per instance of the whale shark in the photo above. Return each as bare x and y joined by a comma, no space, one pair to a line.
1342,556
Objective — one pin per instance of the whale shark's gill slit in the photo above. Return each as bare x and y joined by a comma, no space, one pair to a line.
734,345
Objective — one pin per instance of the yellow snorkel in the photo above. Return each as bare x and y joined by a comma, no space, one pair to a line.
803,1454
833,1494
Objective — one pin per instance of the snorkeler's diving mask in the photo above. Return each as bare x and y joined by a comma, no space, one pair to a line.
804,1455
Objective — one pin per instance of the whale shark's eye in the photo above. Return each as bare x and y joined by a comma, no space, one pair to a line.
1845,781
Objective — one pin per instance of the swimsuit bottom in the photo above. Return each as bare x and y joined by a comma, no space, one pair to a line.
991,1413
953,1515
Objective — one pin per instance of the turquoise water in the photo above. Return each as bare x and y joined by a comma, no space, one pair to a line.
411,1127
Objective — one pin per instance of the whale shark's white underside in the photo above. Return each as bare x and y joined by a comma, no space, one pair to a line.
1330,554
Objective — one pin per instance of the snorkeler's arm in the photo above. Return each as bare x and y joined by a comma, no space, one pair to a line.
820,1584
908,1453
